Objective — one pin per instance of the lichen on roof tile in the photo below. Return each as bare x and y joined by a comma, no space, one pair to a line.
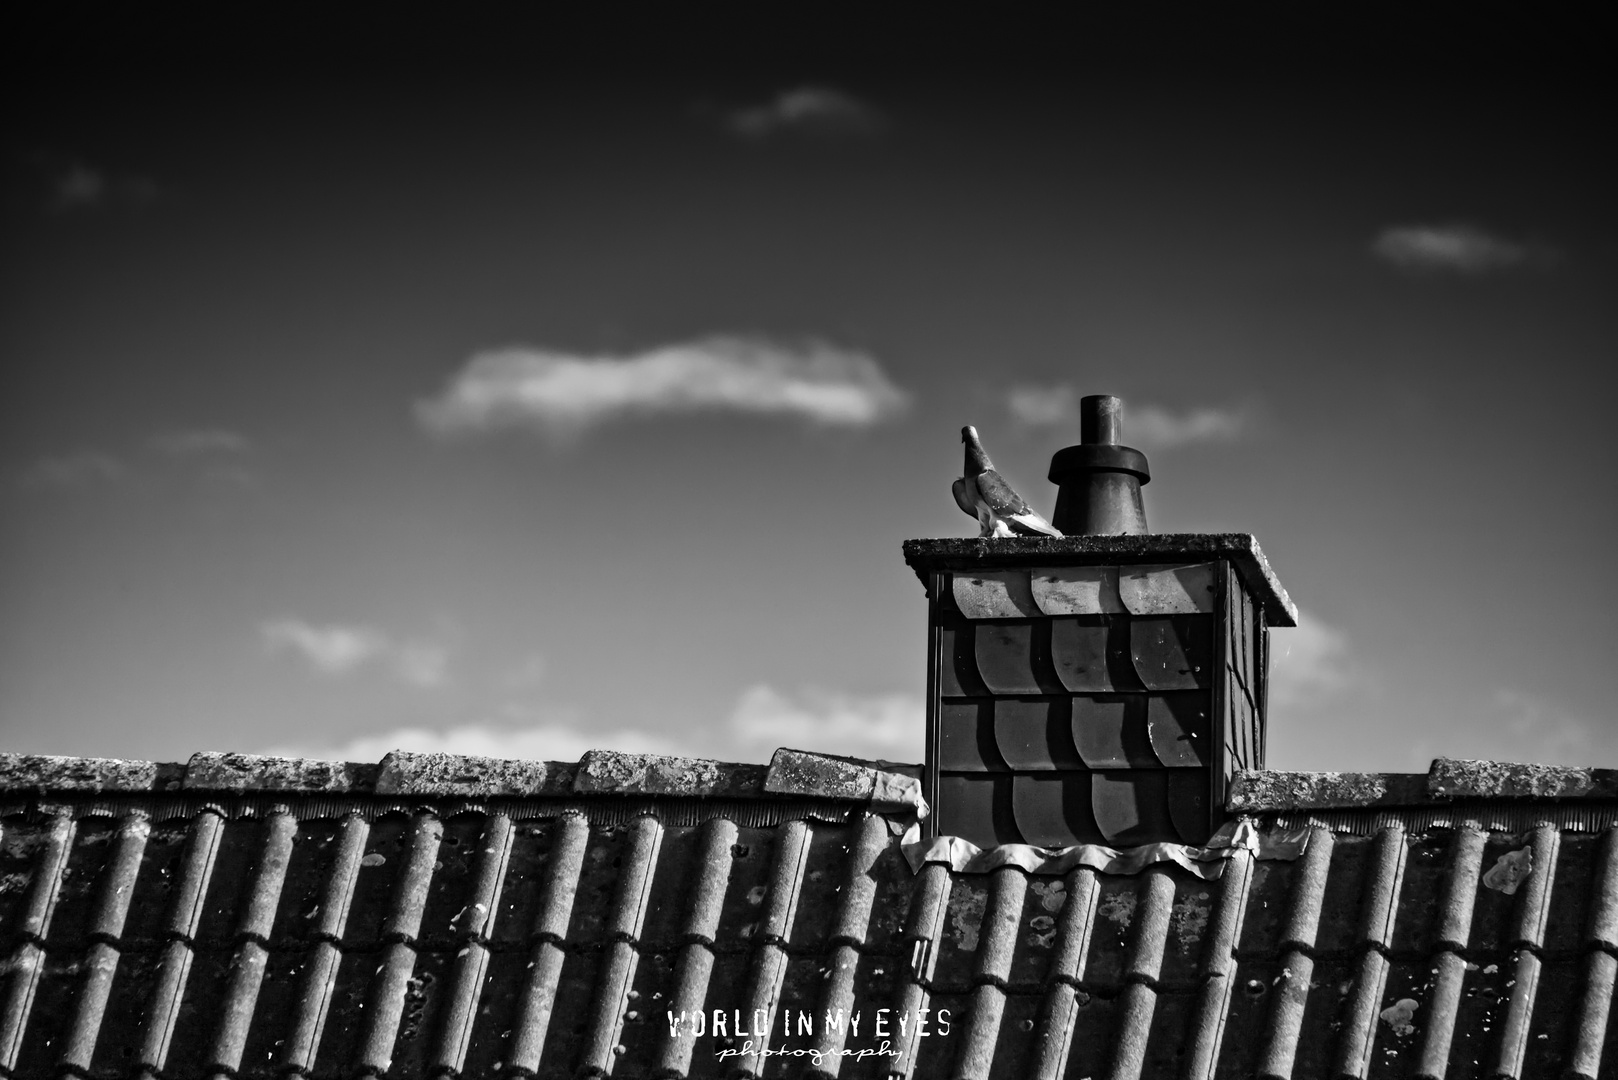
1453,778
216,771
607,772
46,773
799,772
886,786
1261,789
406,773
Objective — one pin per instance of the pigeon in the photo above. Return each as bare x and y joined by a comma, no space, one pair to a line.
984,494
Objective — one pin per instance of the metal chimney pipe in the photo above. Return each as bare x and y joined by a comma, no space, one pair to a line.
1099,481
1098,419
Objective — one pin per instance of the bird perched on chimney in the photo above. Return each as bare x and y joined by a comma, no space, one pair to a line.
985,495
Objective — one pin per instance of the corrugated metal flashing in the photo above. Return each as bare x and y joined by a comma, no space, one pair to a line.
1206,861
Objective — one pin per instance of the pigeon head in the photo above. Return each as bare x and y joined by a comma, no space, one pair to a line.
977,459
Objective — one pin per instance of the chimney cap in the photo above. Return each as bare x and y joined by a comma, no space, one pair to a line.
927,557
1098,450
1098,481
1097,457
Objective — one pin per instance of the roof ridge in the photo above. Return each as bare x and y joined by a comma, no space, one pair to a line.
796,773
1446,781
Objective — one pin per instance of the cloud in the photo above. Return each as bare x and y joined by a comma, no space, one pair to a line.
882,726
1154,426
76,469
200,441
1150,426
71,184
810,110
421,663
1544,730
1310,664
331,649
546,742
79,185
1044,406
527,673
338,650
1464,249
564,393
219,455
84,468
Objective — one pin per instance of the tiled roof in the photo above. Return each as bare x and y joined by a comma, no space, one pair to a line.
434,915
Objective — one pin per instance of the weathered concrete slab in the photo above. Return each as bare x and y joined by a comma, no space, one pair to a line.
977,554
406,773
218,771
1452,778
1261,790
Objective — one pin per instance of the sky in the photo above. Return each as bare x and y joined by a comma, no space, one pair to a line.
450,387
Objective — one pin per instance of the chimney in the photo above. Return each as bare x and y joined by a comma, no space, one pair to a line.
1096,688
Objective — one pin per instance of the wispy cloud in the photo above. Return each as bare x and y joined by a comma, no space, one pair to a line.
72,184
547,742
881,726
527,673
337,650
331,649
79,468
420,663
1150,426
1044,406
811,110
564,393
78,185
1543,730
1310,664
200,441
210,454
1463,249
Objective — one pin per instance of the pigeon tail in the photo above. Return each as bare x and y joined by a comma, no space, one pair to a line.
977,458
